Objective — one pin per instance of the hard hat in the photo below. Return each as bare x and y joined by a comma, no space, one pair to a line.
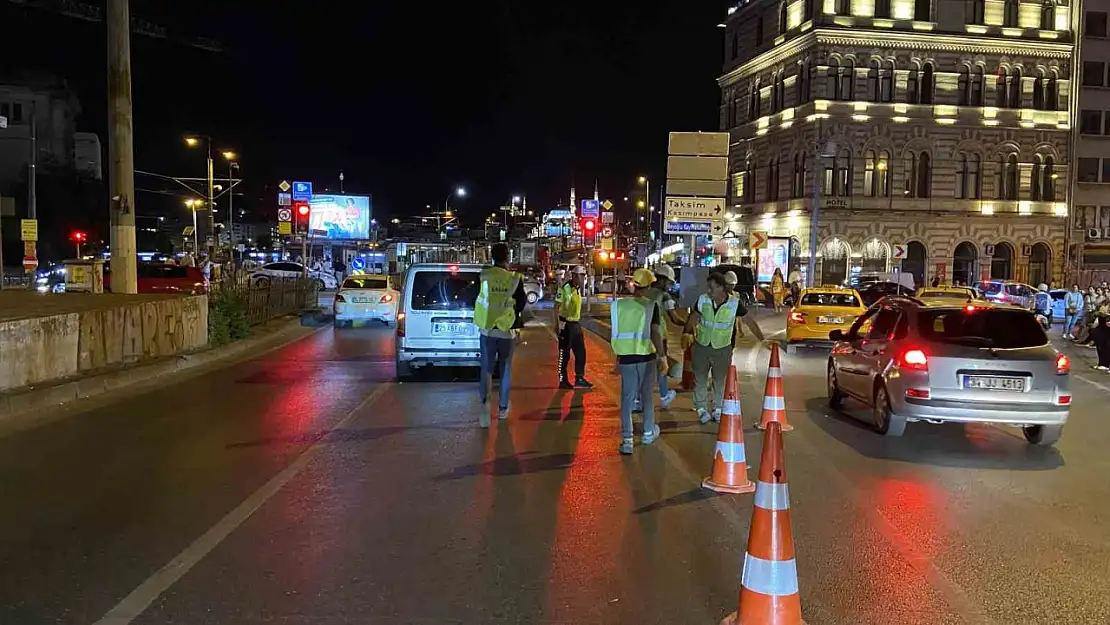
580,270
665,271
730,278
643,277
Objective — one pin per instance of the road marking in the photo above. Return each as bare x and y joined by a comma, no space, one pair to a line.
134,604
1093,383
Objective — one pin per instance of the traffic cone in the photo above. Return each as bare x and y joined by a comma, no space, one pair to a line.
774,402
769,580
730,466
688,369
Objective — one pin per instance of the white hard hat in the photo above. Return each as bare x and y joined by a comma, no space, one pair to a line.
580,270
665,270
730,278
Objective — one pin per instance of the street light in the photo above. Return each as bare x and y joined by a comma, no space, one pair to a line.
193,205
232,165
194,141
647,194
459,192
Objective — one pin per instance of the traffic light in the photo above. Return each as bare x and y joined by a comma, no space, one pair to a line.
589,232
302,210
78,237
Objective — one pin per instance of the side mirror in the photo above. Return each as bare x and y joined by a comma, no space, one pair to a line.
837,335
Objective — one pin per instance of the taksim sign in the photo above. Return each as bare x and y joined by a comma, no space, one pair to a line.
340,217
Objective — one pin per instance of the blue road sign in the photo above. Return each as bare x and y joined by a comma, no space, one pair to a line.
591,208
358,264
688,227
302,191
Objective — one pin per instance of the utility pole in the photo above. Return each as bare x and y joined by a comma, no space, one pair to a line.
120,150
211,242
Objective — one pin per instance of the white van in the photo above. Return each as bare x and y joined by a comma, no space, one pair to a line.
435,322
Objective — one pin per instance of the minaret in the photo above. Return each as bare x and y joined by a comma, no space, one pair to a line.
573,202
595,190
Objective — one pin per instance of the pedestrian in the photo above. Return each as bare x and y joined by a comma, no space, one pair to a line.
659,294
188,261
340,269
1073,308
1101,335
711,330
794,281
936,281
638,343
568,315
731,280
1042,287
205,268
501,299
778,289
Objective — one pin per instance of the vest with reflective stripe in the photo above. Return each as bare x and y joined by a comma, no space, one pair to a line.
494,306
631,321
715,329
570,303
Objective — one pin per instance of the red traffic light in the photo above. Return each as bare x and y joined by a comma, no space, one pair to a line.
302,209
78,236
589,224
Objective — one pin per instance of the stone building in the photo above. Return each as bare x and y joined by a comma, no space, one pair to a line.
938,125
1091,221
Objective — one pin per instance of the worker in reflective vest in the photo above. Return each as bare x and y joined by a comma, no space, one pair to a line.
501,299
568,314
638,344
711,328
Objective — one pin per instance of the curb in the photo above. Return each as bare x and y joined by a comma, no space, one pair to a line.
19,403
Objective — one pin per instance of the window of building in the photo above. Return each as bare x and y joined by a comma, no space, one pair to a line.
964,86
1008,177
1048,182
887,87
1094,24
1015,97
974,11
843,7
924,175
1106,170
1090,122
759,31
1052,94
5,110
876,174
882,9
1088,169
773,180
912,84
975,87
1094,74
1038,93
1035,179
734,47
801,86
1048,15
870,162
738,185
847,79
844,174
1000,91
873,89
17,112
1010,13
968,185
798,188
922,10
782,18
1106,124
755,100
781,84
909,173
737,106
928,84
807,9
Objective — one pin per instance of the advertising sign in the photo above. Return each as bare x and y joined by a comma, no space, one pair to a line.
775,256
339,217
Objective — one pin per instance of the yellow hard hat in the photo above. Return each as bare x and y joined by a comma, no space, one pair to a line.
643,277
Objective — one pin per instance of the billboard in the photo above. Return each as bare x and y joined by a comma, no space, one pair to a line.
340,217
775,256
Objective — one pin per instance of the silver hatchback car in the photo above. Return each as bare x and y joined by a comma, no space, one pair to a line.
979,362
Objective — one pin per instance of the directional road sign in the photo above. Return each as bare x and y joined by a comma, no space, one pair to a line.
687,227
898,251
757,240
302,191
591,208
695,208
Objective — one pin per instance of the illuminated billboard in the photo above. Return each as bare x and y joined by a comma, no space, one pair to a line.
775,256
340,217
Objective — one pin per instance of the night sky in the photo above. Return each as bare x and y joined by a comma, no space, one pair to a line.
408,99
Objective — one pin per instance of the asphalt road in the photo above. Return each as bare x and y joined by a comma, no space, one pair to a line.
307,487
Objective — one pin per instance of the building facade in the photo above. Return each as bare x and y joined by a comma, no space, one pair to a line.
53,109
1091,217
937,128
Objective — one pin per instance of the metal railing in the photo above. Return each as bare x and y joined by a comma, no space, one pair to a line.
265,297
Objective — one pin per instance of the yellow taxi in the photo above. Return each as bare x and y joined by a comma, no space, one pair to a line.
821,310
947,293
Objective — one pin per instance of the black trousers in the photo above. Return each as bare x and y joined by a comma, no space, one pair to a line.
572,340
1101,334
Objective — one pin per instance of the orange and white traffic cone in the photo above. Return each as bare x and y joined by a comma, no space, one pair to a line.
769,581
688,369
730,465
774,402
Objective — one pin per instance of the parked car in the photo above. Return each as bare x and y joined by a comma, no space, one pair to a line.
1059,309
911,360
820,311
745,283
435,321
613,284
366,298
1008,292
533,289
874,291
164,278
290,270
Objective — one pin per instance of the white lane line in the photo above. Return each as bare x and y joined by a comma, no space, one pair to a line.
134,604
1093,383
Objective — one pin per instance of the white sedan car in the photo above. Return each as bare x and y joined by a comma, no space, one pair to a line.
291,271
366,298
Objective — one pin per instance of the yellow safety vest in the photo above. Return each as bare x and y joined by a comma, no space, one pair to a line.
570,303
631,326
494,307
715,329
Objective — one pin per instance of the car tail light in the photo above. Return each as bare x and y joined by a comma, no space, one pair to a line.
387,298
1063,364
453,268
913,359
797,317
401,324
339,299
971,308
1063,400
917,393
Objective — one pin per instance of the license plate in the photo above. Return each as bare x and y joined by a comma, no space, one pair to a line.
830,320
361,300
989,383
452,329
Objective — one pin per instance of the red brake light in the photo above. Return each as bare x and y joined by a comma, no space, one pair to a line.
913,359
1063,365
1064,400
453,268
400,324
971,308
387,298
797,317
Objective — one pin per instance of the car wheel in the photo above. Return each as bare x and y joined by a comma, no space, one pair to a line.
319,284
533,297
836,397
1042,434
262,283
404,372
886,423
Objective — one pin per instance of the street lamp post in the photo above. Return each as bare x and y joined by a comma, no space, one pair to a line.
460,192
193,142
820,153
647,196
193,204
232,165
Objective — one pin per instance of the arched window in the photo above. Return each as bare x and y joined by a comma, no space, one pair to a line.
832,79
927,84
1048,180
843,7
754,101
873,89
1039,263
1048,15
799,186
924,175
1000,91
913,80
922,10
847,79
882,9
964,86
773,179
782,18
909,173
807,10
801,88
870,180
961,176
749,181
1008,177
1002,263
843,174
883,169
1035,180
974,175
975,95
1051,93
1015,88
1010,13
887,87
975,11
737,106
1038,92
781,95
965,263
